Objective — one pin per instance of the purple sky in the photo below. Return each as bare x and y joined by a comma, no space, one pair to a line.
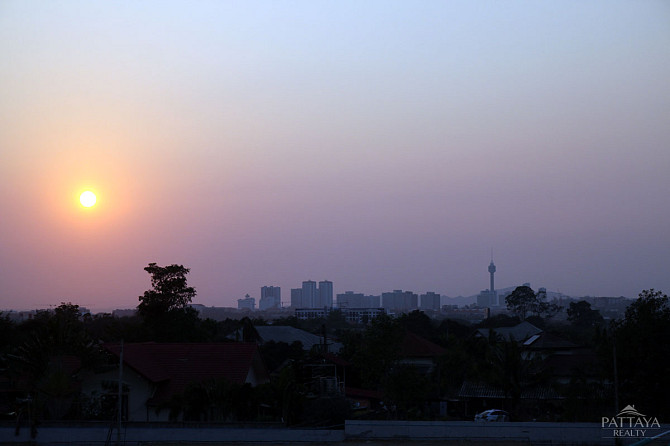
378,144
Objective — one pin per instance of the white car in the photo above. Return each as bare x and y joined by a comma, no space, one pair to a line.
492,415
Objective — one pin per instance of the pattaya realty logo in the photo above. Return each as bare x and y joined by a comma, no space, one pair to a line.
630,423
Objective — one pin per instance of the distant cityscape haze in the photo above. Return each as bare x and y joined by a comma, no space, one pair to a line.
379,145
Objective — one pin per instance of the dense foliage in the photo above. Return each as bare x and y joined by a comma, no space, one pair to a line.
629,359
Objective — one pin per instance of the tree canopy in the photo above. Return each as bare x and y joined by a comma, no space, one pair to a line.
642,353
165,308
169,290
523,302
581,314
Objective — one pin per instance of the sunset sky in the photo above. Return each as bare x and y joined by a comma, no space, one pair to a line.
378,144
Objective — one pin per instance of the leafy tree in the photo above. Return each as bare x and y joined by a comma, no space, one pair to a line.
405,390
522,301
418,323
378,350
275,354
7,333
50,341
500,320
107,328
581,314
291,321
249,332
169,290
459,363
165,308
449,330
643,353
336,322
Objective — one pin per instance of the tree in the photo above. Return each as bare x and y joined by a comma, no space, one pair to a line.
522,301
169,290
249,332
418,323
52,342
405,388
643,353
165,308
378,350
581,314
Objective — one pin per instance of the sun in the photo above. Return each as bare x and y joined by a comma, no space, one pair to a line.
87,199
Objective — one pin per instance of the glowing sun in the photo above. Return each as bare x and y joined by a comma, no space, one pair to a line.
87,199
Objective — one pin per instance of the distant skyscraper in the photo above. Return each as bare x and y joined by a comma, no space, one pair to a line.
270,297
356,300
296,298
430,301
248,303
400,300
310,297
325,294
350,300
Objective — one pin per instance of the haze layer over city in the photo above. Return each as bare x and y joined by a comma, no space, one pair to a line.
379,145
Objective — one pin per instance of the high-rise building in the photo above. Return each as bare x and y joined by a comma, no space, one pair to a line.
400,300
357,300
349,300
248,303
296,298
270,297
310,298
325,294
430,301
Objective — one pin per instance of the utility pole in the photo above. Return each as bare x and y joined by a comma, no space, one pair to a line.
120,399
616,375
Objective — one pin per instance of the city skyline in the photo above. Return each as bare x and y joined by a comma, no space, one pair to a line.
382,145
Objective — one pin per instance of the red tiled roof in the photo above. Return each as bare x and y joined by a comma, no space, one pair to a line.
354,392
175,365
414,346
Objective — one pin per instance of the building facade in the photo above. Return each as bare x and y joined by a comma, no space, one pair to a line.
430,301
352,315
349,299
310,297
248,303
296,297
325,294
270,298
400,301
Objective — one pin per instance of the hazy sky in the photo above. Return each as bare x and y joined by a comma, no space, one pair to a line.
378,144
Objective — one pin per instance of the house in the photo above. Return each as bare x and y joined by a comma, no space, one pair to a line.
419,353
289,335
559,361
154,373
519,332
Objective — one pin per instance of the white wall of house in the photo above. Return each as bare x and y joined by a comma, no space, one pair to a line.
139,391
